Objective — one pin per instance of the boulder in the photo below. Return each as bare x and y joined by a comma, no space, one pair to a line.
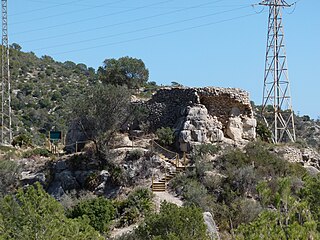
235,128
30,178
249,128
211,225
67,179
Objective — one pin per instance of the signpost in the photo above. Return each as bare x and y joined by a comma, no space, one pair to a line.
54,136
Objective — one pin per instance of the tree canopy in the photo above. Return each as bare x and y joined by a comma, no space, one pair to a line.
124,71
34,214
101,111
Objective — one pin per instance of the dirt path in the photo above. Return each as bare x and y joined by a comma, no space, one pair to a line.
117,232
165,196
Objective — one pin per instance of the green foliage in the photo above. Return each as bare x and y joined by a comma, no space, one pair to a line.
33,214
99,211
134,155
101,111
173,223
165,136
8,176
137,205
124,71
22,140
36,152
291,217
206,148
311,194
43,87
263,132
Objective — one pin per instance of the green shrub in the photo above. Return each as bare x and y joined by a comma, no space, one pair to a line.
37,152
137,205
206,148
263,132
173,223
8,176
165,136
100,212
134,155
22,140
34,214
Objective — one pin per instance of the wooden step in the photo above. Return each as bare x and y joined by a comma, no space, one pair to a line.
159,186
180,169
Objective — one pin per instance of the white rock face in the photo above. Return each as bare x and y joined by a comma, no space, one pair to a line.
197,127
211,225
235,128
249,128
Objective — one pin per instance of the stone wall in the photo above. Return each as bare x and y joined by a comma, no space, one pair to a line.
201,115
167,104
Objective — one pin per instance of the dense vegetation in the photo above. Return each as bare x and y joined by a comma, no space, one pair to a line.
45,92
254,194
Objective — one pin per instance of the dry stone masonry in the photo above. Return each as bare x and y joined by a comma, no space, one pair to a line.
203,115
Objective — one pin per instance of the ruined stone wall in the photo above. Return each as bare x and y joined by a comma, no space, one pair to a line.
203,115
225,102
167,105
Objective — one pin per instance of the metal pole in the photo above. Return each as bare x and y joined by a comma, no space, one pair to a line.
6,111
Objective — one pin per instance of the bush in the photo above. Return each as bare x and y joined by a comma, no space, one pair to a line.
8,176
205,149
134,155
100,212
165,136
137,205
34,214
173,223
22,140
36,152
263,132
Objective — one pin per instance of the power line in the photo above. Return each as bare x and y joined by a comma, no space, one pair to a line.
91,18
122,23
46,2
157,35
67,13
45,8
143,29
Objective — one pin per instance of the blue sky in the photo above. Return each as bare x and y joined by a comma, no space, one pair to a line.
196,43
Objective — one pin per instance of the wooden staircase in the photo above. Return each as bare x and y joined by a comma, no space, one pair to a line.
161,185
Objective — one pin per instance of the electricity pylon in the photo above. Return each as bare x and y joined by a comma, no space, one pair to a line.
276,103
6,121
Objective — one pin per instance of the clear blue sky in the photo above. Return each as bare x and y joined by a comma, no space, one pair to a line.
196,43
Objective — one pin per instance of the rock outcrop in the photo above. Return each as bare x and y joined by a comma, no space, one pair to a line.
203,115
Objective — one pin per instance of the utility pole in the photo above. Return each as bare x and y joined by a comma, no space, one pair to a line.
6,121
276,103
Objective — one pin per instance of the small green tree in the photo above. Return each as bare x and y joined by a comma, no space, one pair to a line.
101,111
124,71
100,212
165,136
174,223
34,214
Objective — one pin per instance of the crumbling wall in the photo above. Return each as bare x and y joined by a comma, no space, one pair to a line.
201,115
167,106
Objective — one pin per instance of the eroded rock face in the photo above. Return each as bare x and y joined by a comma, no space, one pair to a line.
197,126
203,115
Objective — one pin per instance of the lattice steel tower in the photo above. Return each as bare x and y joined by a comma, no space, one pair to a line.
6,121
276,104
